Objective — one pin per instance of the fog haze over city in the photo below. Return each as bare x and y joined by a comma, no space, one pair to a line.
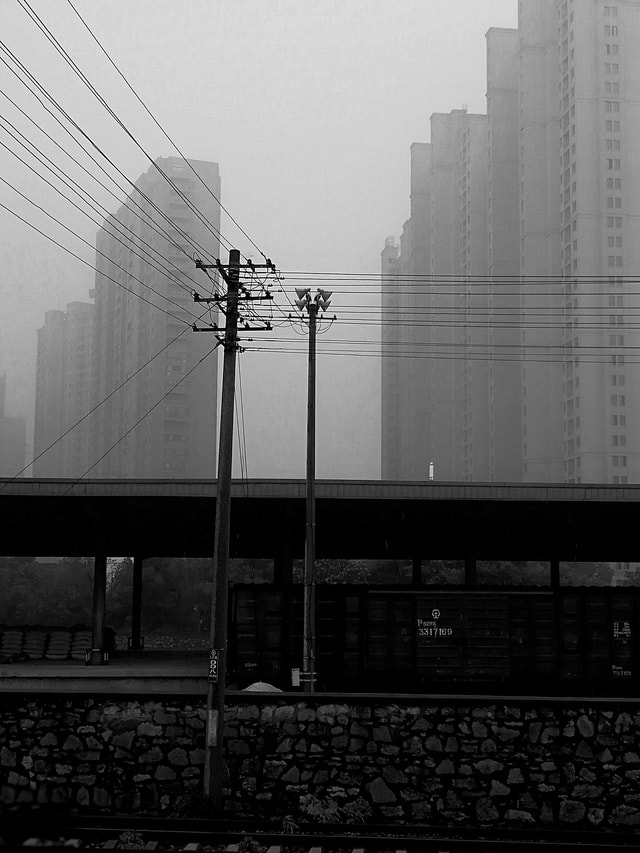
309,108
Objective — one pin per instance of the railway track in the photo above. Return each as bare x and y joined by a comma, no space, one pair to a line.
206,836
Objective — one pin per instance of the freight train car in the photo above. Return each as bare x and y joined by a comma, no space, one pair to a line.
582,639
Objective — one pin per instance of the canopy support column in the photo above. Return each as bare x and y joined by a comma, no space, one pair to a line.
136,604
99,601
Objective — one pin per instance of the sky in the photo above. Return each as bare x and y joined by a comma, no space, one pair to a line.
309,107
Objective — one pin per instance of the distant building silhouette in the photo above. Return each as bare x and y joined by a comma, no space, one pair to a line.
63,391
13,436
525,371
178,438
122,355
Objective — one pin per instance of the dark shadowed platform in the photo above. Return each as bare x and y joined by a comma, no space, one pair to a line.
145,673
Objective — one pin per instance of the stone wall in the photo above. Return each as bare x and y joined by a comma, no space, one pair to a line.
468,762
471,764
94,755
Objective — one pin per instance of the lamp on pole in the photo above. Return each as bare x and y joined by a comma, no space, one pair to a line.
312,305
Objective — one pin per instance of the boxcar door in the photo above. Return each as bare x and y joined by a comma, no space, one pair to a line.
439,636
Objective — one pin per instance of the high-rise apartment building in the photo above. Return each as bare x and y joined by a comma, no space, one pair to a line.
13,432
429,394
503,315
563,239
540,260
472,356
599,113
393,379
148,348
63,391
407,364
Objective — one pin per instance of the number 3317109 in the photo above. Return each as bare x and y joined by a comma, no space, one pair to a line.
435,632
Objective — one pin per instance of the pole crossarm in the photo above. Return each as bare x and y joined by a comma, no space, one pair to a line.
222,297
240,292
249,265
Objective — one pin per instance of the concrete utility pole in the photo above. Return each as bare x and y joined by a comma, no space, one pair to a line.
214,757
215,767
304,301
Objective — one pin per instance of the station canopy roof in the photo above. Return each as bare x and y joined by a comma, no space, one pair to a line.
369,519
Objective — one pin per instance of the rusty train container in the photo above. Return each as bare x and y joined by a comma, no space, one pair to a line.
580,639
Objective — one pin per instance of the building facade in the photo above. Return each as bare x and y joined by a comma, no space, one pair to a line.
503,257
13,438
119,375
63,392
600,240
562,234
146,352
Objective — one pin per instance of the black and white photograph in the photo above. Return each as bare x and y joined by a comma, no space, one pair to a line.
320,425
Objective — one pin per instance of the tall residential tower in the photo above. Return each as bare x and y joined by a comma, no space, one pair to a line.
559,397
140,431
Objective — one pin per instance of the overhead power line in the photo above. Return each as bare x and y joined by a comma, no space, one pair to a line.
450,278
130,245
142,417
163,131
92,410
101,100
196,246
86,263
149,222
377,354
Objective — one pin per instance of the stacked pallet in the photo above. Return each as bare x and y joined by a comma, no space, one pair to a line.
12,642
81,644
59,647
35,642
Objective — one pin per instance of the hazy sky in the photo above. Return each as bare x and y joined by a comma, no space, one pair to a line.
309,107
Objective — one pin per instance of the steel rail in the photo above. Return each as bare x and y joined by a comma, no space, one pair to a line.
190,835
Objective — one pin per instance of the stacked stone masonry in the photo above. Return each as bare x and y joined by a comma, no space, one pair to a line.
470,764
